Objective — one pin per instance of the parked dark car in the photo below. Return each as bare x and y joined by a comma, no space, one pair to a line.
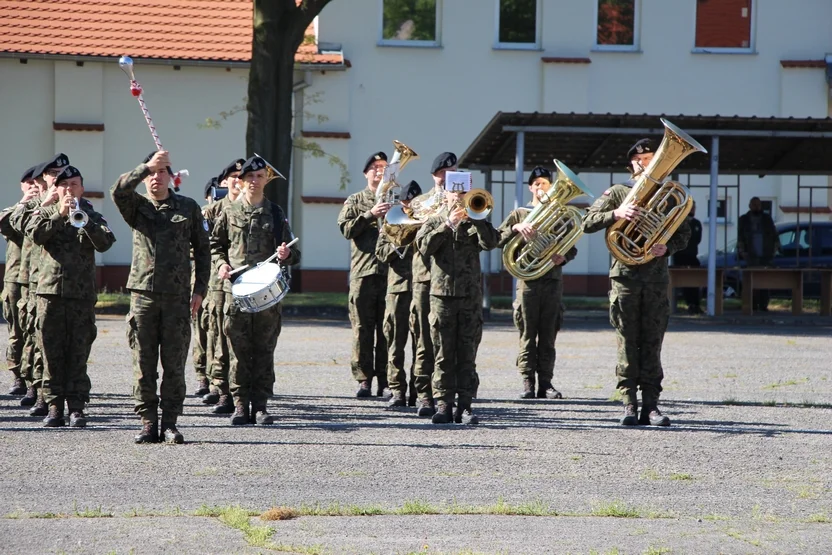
801,246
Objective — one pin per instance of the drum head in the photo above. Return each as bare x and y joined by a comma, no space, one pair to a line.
255,280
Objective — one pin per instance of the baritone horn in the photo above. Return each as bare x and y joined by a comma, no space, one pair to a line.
77,217
664,204
389,190
557,227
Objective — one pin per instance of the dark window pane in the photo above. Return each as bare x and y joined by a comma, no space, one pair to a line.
767,207
616,22
409,20
518,21
721,208
723,23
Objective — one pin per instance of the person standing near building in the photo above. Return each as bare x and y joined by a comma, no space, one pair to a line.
538,306
689,257
67,295
639,307
757,243
248,232
201,349
166,227
358,222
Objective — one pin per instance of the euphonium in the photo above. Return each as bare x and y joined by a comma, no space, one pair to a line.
557,227
389,190
402,224
77,217
664,204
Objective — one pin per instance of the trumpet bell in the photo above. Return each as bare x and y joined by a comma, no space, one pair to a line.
77,217
478,204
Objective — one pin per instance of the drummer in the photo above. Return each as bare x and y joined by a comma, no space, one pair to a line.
248,232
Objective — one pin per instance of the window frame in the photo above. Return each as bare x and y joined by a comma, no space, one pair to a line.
720,220
752,40
635,47
436,43
538,31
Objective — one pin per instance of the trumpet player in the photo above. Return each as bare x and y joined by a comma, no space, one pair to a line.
538,307
69,232
639,307
358,222
454,242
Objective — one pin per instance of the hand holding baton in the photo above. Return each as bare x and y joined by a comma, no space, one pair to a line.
269,259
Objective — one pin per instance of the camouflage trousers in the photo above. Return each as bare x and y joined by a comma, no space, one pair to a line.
218,360
31,360
639,313
538,316
66,331
396,333
14,350
200,333
158,327
366,308
253,339
420,328
456,330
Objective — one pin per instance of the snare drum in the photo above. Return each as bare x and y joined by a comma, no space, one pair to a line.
260,288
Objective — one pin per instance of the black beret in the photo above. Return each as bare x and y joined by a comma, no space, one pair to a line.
640,147
68,173
444,160
235,166
210,185
58,161
252,165
149,156
28,175
540,171
373,158
413,191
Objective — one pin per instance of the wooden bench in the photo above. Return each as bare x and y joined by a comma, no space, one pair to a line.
786,278
694,277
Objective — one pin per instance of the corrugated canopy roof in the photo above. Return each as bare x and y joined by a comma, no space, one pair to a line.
599,142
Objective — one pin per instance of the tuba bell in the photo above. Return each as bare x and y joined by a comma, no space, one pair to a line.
664,204
557,226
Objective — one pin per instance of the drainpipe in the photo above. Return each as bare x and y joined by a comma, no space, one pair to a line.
295,208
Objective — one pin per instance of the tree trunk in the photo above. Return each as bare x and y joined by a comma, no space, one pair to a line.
279,27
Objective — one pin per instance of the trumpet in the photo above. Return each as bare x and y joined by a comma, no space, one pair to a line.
77,217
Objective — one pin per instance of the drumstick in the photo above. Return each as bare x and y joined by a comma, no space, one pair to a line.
269,259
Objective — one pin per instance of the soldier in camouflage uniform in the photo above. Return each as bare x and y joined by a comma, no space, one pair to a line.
200,354
639,307
420,306
67,295
13,286
166,226
219,359
32,358
359,224
248,232
454,244
397,313
538,307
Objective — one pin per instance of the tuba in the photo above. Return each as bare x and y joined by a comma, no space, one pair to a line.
557,227
664,204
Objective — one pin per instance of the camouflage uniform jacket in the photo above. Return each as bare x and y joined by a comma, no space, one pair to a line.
421,262
244,234
29,252
14,246
600,216
211,213
163,235
506,234
68,257
359,226
399,261
455,263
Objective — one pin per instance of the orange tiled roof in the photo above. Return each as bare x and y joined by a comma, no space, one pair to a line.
217,30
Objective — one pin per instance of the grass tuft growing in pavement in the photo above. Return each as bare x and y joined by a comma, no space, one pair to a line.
417,507
616,509
280,513
819,518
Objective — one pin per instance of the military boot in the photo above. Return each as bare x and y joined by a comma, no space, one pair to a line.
261,415
443,413
212,397
425,408
652,416
547,391
202,387
169,432
40,408
396,399
364,389
77,418
55,418
528,388
30,398
463,413
225,405
18,386
630,407
387,394
240,416
149,433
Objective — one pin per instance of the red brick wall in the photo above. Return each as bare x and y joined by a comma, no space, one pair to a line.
720,24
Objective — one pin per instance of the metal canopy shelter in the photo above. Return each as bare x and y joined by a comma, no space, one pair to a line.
598,143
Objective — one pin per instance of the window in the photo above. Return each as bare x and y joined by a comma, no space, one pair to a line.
724,26
518,24
793,240
768,207
616,25
722,210
825,240
410,22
